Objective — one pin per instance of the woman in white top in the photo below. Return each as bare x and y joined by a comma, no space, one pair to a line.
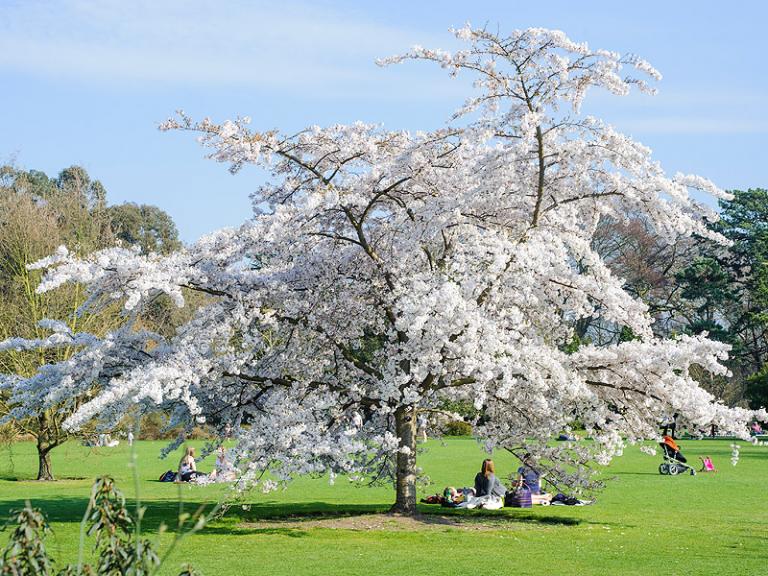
187,468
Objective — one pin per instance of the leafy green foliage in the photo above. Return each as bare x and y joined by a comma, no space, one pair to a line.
757,387
706,283
119,549
146,226
25,553
71,182
457,428
744,220
464,408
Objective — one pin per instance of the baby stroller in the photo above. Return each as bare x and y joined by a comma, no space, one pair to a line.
674,462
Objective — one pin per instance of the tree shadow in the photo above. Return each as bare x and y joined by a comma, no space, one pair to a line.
71,510
272,510
8,477
312,511
237,519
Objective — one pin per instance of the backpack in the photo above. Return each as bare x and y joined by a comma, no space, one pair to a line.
168,476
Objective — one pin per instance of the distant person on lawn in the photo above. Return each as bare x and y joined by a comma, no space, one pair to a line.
187,469
224,470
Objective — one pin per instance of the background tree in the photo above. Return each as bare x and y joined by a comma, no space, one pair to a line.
398,270
696,286
648,265
37,215
153,230
146,226
727,291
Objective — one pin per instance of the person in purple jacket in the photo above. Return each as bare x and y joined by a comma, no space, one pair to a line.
529,475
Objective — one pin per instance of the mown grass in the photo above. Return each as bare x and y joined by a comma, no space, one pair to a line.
643,523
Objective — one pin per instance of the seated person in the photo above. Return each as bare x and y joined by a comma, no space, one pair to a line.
530,477
223,471
187,469
457,496
486,483
451,497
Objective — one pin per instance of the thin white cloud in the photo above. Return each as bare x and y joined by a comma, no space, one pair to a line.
305,48
252,44
683,111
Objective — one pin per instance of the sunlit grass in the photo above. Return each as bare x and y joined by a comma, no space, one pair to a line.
643,523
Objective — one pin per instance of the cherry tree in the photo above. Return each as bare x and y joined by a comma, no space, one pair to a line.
384,272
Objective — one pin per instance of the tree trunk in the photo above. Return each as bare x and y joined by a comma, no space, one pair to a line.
405,466
44,463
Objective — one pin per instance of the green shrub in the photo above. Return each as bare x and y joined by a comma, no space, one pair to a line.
464,408
458,428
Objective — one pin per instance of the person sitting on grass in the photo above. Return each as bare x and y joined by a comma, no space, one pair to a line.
530,477
187,469
488,492
224,470
707,465
486,483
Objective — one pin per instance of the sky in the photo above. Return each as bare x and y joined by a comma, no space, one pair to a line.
88,83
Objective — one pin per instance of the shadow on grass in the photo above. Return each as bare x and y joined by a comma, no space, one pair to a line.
271,510
71,510
427,513
504,516
29,480
237,519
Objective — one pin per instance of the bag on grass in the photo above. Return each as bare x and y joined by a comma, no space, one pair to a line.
169,476
563,500
520,497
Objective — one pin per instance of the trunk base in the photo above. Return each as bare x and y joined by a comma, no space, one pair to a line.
44,473
408,512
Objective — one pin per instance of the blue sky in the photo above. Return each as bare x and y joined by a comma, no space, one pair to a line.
88,82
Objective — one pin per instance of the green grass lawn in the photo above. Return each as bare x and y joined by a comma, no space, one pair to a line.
643,523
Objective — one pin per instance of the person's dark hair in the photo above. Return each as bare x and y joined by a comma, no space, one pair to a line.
487,468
